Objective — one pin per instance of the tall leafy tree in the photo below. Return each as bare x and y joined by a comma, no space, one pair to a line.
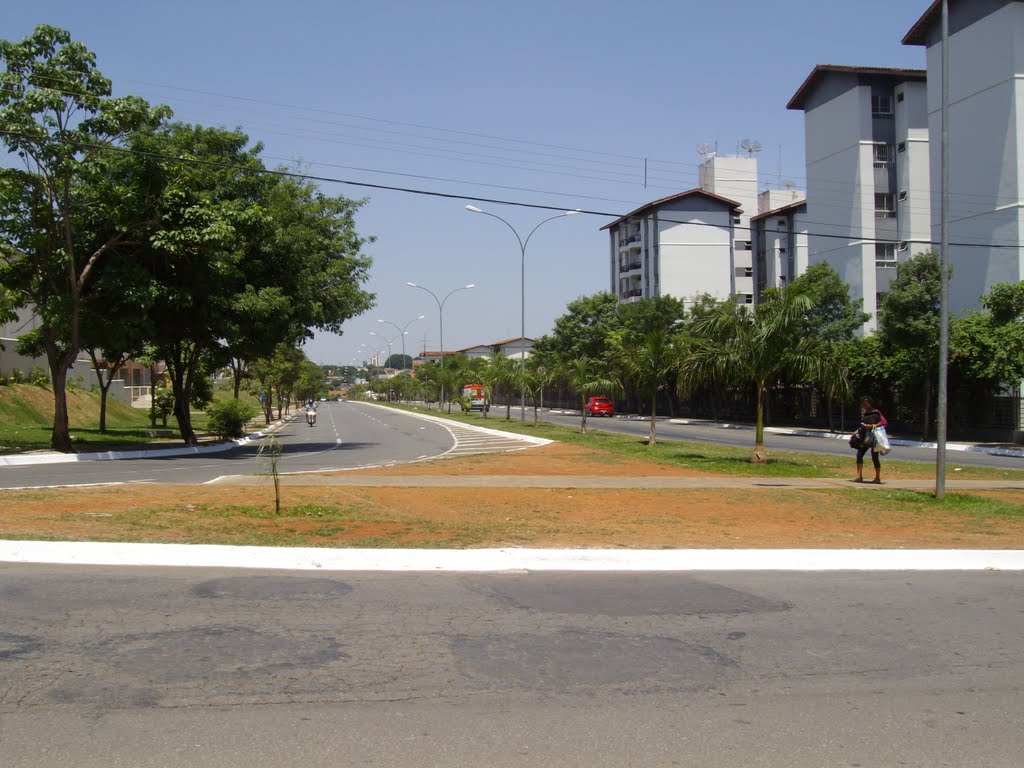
63,213
909,327
583,328
832,322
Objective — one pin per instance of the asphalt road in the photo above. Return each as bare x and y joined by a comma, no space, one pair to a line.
346,435
744,438
147,667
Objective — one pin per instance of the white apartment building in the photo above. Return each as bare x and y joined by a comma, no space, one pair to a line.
780,240
866,135
735,178
682,246
986,140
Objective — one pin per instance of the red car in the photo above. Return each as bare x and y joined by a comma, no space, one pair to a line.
600,406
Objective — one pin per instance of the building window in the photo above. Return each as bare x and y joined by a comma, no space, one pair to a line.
882,155
885,255
782,249
743,245
884,205
899,95
748,298
901,147
881,105
903,196
748,271
782,222
736,220
904,246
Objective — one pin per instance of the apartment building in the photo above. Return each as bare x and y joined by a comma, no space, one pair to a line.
779,235
682,246
986,140
868,191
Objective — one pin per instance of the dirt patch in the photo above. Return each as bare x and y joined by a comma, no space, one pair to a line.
523,517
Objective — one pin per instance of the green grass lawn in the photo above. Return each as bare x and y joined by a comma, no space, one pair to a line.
719,459
26,421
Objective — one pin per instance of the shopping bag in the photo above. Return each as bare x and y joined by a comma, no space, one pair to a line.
882,444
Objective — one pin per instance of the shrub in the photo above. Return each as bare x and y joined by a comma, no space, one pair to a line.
229,417
38,377
163,403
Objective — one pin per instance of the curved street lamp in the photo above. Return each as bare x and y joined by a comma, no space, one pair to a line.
402,330
383,338
440,316
522,292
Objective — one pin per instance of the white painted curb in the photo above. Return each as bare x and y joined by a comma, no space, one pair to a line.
447,422
504,560
155,453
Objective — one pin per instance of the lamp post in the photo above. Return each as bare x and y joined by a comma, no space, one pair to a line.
402,330
389,343
440,317
522,292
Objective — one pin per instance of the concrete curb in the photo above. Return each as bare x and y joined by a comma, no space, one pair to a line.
486,430
506,560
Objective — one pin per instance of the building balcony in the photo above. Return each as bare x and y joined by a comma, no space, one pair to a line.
632,293
633,265
630,241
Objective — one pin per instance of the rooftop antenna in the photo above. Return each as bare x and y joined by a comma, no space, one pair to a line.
750,146
706,151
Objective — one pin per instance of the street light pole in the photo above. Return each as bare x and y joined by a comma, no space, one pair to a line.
402,330
440,317
522,294
389,343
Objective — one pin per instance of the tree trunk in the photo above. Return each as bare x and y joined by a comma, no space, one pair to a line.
652,438
759,456
60,437
926,425
182,368
583,413
152,396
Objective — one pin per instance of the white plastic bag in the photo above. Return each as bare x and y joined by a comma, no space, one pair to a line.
882,444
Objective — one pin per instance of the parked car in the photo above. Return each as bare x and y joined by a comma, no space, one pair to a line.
600,406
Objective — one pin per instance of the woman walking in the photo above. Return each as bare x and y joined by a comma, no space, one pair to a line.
870,418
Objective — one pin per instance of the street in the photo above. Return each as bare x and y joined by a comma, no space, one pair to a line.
142,667
346,436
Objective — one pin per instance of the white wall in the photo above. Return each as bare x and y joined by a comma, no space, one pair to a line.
840,191
986,127
696,259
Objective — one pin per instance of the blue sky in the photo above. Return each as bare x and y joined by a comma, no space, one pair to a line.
552,103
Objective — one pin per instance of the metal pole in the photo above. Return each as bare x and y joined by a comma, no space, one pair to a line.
522,295
522,336
940,418
440,316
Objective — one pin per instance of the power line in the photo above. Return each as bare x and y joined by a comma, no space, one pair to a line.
454,196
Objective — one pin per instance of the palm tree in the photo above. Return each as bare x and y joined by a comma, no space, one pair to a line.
501,375
584,376
647,362
755,347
